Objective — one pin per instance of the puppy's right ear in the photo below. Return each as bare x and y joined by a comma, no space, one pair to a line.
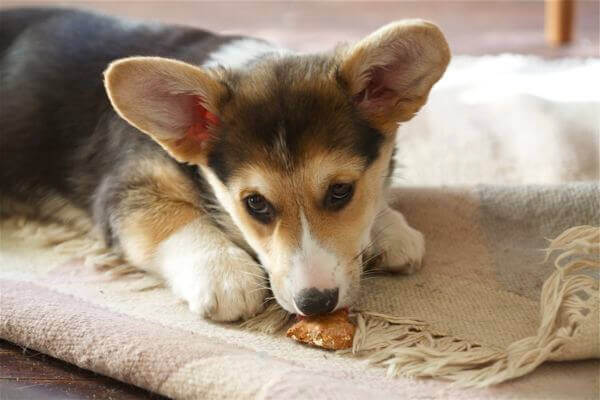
173,102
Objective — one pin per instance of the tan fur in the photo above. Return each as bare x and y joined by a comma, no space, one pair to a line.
302,190
142,232
172,205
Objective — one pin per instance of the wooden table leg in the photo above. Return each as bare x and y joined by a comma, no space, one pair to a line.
558,21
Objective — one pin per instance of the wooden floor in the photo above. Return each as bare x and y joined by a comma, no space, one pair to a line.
29,375
472,27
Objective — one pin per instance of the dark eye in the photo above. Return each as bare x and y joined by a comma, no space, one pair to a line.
338,195
260,208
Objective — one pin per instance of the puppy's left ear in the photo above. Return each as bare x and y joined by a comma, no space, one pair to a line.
391,71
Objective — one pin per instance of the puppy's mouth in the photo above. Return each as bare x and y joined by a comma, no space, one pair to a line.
346,291
289,303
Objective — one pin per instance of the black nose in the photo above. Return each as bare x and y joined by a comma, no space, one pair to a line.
314,301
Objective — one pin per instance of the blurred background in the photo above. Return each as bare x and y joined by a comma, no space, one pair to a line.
531,116
519,103
472,27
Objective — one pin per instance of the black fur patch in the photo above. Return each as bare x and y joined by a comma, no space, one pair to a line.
290,116
60,134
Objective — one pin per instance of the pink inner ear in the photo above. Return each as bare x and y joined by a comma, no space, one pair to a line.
203,122
378,90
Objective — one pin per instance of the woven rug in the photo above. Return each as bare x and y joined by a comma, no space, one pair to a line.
472,314
489,305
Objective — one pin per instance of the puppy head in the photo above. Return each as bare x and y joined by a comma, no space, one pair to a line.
296,148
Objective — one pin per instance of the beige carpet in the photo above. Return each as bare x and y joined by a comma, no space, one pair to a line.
476,313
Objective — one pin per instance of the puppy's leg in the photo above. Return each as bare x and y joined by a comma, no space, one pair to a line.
402,247
161,228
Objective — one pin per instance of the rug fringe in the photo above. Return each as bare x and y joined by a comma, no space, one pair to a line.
409,350
69,239
272,320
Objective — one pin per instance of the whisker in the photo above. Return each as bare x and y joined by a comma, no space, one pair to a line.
369,278
267,300
257,289
371,258
253,274
373,269
374,274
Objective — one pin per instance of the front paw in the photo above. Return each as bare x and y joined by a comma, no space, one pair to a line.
401,246
222,285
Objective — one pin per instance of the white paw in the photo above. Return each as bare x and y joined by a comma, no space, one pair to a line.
221,284
402,247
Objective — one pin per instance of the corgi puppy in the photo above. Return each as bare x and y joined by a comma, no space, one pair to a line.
224,164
